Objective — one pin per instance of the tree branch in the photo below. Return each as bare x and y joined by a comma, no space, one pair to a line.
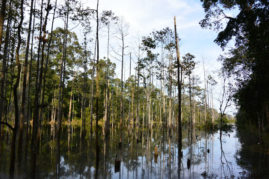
8,125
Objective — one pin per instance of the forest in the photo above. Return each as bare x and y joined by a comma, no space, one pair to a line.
79,100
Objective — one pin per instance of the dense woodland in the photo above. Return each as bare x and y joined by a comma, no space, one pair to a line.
53,72
50,75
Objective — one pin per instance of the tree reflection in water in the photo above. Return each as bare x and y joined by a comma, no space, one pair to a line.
142,154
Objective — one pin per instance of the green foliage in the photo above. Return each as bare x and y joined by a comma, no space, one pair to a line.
248,61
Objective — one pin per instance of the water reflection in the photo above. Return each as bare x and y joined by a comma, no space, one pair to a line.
130,154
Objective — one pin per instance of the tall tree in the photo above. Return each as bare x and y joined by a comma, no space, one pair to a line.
37,83
48,53
18,64
189,65
123,32
107,18
63,63
25,67
97,69
179,90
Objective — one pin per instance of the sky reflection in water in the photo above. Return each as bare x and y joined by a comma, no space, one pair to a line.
147,155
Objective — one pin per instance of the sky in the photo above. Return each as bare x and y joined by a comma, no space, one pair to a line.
145,16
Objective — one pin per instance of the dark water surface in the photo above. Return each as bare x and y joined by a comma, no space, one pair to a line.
141,154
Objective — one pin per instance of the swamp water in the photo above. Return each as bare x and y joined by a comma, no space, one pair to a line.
140,154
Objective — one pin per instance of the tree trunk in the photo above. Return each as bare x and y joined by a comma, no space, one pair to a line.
97,69
24,102
170,94
194,106
29,112
122,62
107,117
48,55
179,90
18,64
2,19
137,99
62,71
130,94
36,102
84,89
212,108
190,96
70,106
4,64
92,86
205,95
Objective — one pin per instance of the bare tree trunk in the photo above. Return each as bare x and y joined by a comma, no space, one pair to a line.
179,90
